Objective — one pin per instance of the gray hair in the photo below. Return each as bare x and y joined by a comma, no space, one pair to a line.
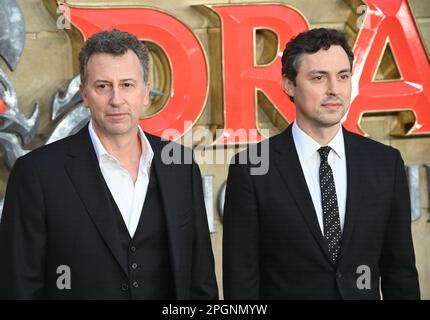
114,42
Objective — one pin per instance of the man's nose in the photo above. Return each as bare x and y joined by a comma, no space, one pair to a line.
332,87
116,97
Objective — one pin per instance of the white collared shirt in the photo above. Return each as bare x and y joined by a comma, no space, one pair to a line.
307,149
129,197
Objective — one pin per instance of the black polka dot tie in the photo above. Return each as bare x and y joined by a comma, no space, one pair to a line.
330,210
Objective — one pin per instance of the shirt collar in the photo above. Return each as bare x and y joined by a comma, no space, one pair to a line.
145,158
306,146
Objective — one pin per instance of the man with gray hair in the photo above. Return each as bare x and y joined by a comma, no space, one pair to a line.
98,215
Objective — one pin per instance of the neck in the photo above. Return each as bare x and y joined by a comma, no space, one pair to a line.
125,148
321,135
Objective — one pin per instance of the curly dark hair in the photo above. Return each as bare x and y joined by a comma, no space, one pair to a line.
310,42
114,42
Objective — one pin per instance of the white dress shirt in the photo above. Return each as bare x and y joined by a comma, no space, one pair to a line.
129,197
307,149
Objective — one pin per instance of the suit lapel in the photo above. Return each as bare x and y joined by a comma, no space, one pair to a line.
353,196
85,174
167,175
288,164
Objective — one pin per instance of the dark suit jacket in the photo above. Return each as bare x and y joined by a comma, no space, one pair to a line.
57,212
273,247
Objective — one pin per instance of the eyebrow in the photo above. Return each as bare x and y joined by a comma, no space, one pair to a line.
107,81
312,72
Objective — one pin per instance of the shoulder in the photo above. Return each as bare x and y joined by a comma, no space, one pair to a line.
263,148
368,145
170,152
52,153
157,141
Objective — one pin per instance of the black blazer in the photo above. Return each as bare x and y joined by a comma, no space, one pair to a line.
273,247
57,212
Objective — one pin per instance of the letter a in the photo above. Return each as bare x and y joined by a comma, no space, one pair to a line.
363,281
63,281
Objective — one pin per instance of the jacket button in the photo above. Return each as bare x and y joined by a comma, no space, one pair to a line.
124,287
339,275
132,248
136,284
134,266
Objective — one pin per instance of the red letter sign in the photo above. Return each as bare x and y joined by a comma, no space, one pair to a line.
392,20
242,78
2,106
187,60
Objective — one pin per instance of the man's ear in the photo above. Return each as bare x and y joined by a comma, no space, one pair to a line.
83,94
288,86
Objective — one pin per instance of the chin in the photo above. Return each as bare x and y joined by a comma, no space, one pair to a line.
329,124
118,131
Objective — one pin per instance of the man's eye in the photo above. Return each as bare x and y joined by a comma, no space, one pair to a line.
102,86
317,78
344,76
127,85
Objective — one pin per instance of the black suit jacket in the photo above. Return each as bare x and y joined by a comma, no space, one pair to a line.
57,212
273,247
